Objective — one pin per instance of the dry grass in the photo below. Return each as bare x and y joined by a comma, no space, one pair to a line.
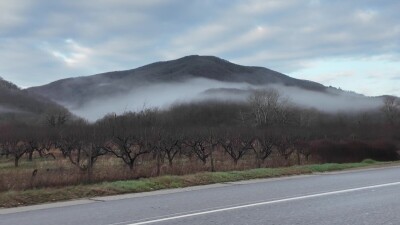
42,173
35,196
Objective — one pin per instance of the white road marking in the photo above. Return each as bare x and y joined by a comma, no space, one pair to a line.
262,203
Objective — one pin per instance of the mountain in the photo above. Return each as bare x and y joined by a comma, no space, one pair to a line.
77,91
163,83
18,105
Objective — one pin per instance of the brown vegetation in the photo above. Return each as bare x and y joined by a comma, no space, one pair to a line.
196,137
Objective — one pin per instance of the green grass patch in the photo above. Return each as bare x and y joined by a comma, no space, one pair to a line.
369,161
36,196
341,166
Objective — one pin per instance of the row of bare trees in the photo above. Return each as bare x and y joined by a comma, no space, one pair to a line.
83,144
265,126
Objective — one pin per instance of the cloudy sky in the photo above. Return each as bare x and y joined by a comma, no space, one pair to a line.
354,45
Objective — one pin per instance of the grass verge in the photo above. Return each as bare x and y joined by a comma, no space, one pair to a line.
45,195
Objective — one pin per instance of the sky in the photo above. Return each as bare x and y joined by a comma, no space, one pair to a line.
353,45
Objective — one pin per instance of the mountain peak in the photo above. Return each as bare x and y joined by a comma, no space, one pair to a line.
210,67
82,90
204,59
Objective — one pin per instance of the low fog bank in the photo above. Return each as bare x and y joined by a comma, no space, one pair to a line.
160,95
163,95
7,109
333,101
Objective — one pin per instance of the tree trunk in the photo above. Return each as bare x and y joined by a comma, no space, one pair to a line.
89,174
158,164
30,156
212,161
259,162
16,161
298,158
287,160
78,157
204,160
170,162
131,165
235,162
90,168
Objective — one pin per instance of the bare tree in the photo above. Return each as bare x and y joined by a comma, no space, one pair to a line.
170,143
164,143
391,109
67,144
285,146
57,118
262,147
200,146
236,145
304,148
213,142
46,143
128,147
203,142
83,145
129,137
268,107
14,143
35,140
17,149
95,147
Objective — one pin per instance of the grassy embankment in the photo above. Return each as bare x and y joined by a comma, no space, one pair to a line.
44,195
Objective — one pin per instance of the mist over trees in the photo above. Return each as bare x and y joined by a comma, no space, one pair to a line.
191,79
267,130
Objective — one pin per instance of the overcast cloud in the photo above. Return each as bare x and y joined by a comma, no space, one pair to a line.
354,44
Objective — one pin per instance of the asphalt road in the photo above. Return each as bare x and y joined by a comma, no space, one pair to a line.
357,197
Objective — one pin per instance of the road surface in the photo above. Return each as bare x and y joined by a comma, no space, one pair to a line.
369,196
